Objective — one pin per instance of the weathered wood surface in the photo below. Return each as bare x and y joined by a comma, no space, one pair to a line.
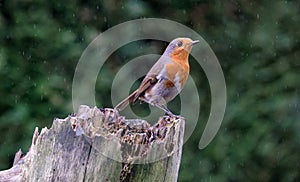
99,145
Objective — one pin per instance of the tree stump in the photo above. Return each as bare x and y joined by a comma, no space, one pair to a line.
100,145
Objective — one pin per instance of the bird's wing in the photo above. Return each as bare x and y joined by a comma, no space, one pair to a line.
152,76
125,102
148,81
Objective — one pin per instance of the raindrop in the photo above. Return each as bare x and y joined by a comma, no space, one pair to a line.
29,57
16,99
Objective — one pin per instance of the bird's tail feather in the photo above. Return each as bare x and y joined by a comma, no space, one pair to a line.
126,101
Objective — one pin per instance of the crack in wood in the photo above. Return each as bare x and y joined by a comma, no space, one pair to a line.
86,163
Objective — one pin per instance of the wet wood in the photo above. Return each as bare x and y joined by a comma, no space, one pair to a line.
100,145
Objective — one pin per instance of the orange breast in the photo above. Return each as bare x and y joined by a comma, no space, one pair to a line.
169,84
174,70
181,58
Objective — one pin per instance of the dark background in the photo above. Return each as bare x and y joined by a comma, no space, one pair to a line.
256,42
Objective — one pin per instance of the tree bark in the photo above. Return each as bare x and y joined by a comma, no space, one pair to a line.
99,145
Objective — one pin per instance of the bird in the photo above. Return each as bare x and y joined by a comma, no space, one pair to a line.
166,78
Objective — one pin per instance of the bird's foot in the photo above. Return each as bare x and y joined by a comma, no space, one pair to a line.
170,114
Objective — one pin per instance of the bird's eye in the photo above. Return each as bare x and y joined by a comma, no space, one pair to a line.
179,44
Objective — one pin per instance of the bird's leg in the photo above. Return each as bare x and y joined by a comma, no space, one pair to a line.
165,109
162,107
168,112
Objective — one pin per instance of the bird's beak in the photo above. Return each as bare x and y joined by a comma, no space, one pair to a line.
195,42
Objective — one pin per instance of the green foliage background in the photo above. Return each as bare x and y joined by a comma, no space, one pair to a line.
257,43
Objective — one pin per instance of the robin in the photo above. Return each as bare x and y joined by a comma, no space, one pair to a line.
166,78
